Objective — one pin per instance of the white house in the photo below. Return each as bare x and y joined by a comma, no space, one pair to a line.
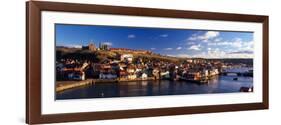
107,76
126,57
144,76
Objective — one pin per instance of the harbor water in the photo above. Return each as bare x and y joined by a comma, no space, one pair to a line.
219,84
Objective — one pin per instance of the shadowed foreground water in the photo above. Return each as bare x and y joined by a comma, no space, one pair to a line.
221,84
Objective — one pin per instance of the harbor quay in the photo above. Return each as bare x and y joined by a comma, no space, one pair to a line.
64,85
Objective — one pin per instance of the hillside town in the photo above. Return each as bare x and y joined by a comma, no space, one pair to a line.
127,67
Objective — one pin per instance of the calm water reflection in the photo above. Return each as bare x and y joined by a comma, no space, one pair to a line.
221,84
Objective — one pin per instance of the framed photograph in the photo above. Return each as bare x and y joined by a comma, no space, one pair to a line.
93,62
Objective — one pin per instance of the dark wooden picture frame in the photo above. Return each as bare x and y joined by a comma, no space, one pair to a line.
33,61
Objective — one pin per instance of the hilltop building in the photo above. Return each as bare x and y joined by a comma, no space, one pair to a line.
130,50
91,47
103,46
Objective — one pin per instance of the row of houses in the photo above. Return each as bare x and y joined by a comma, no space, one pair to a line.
126,70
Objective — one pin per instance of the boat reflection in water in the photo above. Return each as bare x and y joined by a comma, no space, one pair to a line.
220,84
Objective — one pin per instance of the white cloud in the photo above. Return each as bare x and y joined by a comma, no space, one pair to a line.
211,34
168,48
195,47
249,46
218,39
241,52
107,43
152,48
205,37
217,53
179,48
72,46
164,35
131,36
193,37
237,44
226,43
235,48
190,43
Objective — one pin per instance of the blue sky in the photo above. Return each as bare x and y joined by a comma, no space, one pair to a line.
171,42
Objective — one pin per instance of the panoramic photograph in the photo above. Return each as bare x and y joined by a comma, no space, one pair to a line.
94,61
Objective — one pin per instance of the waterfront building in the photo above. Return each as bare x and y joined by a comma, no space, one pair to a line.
214,72
123,74
165,74
156,73
75,75
107,75
131,70
132,76
195,75
144,76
